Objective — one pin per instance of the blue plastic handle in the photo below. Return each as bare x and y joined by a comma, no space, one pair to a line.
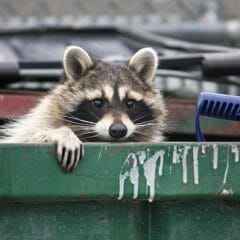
217,106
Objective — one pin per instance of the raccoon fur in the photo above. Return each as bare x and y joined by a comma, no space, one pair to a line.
97,101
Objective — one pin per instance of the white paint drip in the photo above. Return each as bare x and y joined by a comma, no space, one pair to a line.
195,165
150,172
215,156
131,156
160,169
184,164
226,171
125,175
134,176
134,161
142,156
175,155
203,149
235,150
122,178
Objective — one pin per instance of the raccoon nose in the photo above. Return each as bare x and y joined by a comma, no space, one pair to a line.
117,130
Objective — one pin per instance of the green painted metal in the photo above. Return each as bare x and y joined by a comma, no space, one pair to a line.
195,190
32,172
110,220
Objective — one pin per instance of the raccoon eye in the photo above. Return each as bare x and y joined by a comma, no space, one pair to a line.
130,104
97,103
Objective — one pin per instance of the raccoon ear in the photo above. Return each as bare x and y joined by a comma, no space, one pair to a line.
144,63
76,62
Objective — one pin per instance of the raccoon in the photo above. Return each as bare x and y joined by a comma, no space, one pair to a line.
96,101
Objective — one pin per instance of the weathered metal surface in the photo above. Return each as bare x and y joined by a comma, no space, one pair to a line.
72,220
110,220
180,117
195,189
196,220
122,171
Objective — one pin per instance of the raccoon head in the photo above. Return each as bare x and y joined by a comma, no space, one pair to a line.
112,102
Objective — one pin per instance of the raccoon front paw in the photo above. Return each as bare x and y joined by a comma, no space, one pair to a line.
70,149
70,153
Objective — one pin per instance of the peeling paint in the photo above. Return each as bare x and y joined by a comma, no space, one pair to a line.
226,170
235,150
142,156
215,156
195,164
184,164
134,176
149,165
175,155
150,172
122,178
160,169
131,160
203,152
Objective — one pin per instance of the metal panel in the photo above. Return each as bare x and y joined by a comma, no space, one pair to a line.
195,189
112,171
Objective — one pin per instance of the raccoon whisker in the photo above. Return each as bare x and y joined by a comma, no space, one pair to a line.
79,119
80,125
76,120
134,137
150,121
86,131
87,135
96,135
96,118
83,128
83,133
142,113
141,133
140,117
146,124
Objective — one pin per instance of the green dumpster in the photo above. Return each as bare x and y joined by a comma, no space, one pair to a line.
121,191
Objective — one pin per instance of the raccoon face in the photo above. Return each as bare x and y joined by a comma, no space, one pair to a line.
113,102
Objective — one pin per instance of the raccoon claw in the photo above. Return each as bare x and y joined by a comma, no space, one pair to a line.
69,154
